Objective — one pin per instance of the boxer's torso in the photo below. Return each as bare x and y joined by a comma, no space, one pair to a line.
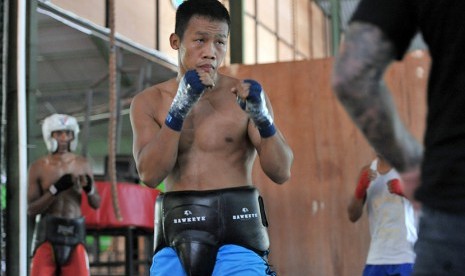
52,167
214,149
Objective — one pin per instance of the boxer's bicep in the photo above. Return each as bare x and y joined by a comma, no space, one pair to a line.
144,126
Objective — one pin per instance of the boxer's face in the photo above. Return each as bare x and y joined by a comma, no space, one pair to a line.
63,137
203,45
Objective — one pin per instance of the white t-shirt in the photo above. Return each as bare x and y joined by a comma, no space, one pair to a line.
392,222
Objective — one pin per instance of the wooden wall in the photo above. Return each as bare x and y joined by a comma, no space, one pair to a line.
309,228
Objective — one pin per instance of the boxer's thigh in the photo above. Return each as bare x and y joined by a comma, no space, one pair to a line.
78,263
231,260
43,261
166,263
237,260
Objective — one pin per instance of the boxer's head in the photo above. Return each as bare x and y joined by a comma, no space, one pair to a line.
59,122
211,9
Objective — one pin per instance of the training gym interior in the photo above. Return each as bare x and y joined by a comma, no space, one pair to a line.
65,56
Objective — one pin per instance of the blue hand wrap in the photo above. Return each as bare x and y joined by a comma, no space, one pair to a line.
255,106
189,91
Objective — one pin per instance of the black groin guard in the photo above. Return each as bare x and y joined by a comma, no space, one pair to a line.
197,223
64,234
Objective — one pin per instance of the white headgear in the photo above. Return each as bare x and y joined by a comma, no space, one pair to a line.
59,122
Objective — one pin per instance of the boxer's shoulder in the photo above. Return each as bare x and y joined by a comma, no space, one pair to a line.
158,90
156,97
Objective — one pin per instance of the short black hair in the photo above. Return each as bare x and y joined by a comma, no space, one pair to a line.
211,9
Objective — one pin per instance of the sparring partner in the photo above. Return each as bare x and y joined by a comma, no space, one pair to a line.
201,133
391,218
379,33
56,182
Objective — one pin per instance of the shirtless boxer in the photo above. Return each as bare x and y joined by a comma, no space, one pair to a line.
201,132
56,182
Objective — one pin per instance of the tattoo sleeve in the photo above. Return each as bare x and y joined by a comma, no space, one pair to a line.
358,83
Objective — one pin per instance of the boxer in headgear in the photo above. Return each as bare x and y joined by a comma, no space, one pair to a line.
59,122
201,132
392,220
55,185
379,35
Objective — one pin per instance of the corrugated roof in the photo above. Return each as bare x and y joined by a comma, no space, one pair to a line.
72,60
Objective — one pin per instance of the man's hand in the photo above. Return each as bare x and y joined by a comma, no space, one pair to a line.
87,184
65,182
395,186
372,174
251,99
206,79
411,180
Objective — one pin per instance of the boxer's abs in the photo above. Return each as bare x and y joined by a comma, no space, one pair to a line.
67,205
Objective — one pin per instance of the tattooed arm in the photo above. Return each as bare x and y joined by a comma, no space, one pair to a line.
358,83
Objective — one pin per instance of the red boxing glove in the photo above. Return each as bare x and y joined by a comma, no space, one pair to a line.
362,186
395,187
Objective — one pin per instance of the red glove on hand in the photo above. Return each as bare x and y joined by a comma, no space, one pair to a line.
363,183
395,187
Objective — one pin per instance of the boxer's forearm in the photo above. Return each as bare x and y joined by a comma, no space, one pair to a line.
90,188
40,205
189,91
276,158
157,158
94,200
357,82
275,154
355,209
156,143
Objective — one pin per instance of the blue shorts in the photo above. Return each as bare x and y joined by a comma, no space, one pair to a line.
441,244
231,260
388,270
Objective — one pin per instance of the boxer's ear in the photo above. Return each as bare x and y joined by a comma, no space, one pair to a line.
175,41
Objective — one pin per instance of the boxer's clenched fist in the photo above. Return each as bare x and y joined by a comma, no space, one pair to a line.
251,99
